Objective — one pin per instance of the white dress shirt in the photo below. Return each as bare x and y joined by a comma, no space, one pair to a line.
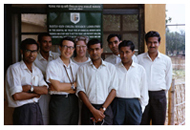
41,62
115,59
159,71
97,83
18,75
132,83
56,71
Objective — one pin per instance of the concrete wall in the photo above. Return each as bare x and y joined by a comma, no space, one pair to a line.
155,20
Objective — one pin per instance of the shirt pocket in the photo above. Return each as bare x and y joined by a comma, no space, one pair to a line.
35,80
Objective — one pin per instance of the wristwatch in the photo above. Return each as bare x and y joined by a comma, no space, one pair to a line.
103,108
73,86
31,88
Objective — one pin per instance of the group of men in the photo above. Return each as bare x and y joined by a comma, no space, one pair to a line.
122,89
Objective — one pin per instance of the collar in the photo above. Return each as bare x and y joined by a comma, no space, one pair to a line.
61,62
132,65
116,55
40,57
103,63
147,55
23,65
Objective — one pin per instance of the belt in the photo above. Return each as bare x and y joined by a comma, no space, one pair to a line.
63,95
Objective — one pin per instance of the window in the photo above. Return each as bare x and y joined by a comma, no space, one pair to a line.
126,21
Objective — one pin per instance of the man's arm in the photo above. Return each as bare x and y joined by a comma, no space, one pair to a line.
143,90
168,76
96,113
24,96
37,89
109,99
61,87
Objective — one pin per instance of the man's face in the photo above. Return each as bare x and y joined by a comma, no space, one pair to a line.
67,49
152,44
95,51
126,54
113,44
30,53
81,48
45,44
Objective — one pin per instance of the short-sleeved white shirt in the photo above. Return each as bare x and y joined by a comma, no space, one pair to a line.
41,62
56,71
115,59
18,75
97,83
132,83
159,71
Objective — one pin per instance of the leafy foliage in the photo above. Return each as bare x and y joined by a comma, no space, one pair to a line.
175,42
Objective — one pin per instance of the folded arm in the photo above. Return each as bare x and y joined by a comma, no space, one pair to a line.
61,87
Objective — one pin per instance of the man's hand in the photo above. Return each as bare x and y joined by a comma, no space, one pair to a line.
51,88
26,88
102,110
98,115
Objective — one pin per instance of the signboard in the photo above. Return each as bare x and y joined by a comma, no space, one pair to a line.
74,20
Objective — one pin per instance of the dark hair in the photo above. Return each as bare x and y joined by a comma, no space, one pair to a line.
127,43
152,34
114,35
66,38
94,41
41,35
28,41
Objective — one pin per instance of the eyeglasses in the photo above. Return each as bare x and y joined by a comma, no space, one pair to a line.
68,47
79,46
83,38
30,51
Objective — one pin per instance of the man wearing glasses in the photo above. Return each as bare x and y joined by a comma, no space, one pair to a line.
24,86
61,73
80,57
43,58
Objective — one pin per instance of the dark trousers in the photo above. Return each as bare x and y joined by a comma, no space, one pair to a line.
64,110
86,115
156,108
28,114
127,111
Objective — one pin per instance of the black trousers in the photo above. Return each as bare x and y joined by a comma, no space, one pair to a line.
86,115
156,108
28,114
64,110
127,111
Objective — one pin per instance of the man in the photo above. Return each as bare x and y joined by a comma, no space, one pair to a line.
159,77
43,58
97,84
24,85
61,73
132,95
113,42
